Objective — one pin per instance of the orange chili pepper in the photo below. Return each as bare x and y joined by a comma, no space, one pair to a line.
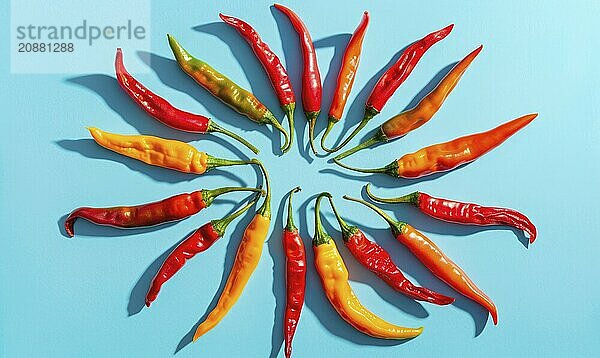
165,153
407,121
246,261
346,77
449,155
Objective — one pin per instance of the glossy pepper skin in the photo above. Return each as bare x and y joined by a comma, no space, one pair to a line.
375,259
435,260
334,278
225,89
389,82
449,155
246,261
278,76
407,121
174,208
165,153
163,111
199,241
311,77
346,77
463,213
295,274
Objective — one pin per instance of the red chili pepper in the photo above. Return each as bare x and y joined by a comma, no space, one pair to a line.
174,208
199,241
449,155
435,260
164,112
374,257
295,271
463,213
272,65
407,121
311,78
389,82
346,77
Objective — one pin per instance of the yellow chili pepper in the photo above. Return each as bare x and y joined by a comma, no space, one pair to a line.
246,261
334,278
166,153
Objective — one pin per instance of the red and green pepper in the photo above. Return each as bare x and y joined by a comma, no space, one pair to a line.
163,111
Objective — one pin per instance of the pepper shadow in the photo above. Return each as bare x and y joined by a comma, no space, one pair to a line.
108,88
294,67
279,279
171,75
339,43
426,223
430,86
230,253
412,266
90,149
316,300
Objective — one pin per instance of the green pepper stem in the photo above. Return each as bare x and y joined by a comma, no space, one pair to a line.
378,137
412,198
370,112
321,237
212,162
208,196
290,219
332,121
265,209
213,127
221,225
395,225
268,117
181,55
347,230
289,113
390,169
311,117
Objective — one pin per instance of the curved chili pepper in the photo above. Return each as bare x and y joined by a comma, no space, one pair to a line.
174,208
225,89
200,240
334,278
463,213
346,77
165,153
374,257
164,112
434,259
389,82
272,65
311,78
449,155
295,274
246,261
407,121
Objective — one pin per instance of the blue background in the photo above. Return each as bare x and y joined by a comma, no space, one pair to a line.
83,297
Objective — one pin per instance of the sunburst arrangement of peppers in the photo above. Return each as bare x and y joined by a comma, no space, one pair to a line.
180,156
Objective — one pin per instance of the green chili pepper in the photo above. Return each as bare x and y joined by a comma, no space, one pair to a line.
241,100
